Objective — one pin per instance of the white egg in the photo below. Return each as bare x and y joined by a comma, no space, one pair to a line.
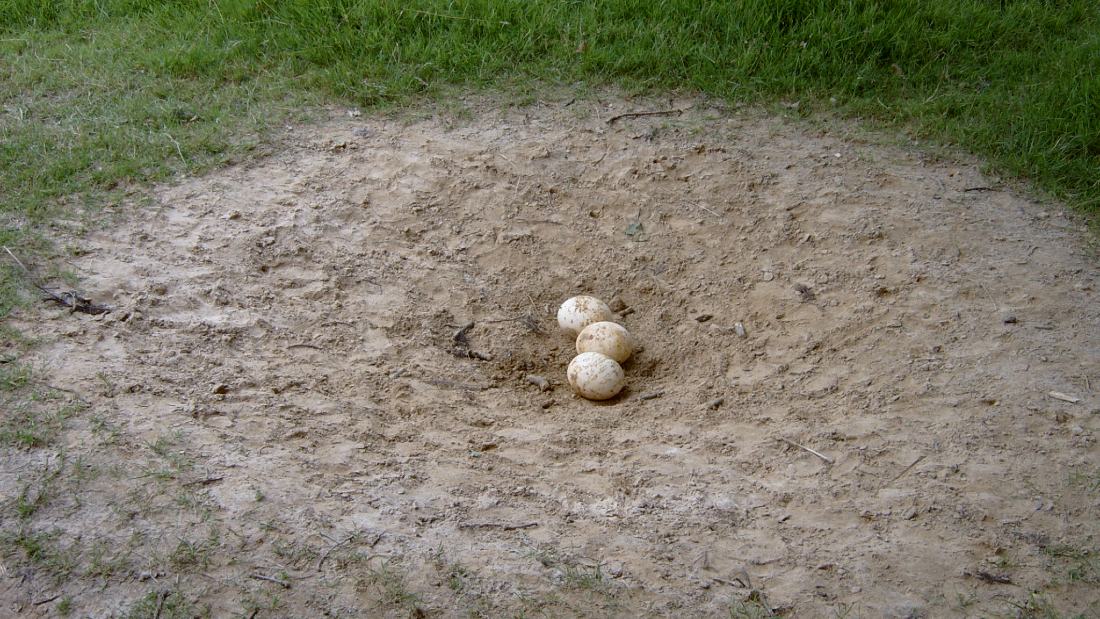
580,311
608,338
595,376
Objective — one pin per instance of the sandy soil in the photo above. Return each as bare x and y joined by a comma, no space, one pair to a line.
281,421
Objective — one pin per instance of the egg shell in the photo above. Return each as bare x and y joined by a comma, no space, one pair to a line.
595,376
580,311
609,338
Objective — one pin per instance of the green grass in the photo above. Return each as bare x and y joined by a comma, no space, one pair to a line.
101,97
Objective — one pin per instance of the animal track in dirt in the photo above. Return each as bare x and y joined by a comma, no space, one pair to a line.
293,322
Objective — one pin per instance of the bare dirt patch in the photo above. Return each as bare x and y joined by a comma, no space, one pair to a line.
842,406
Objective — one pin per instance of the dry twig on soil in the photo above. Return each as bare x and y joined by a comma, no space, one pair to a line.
804,448
612,120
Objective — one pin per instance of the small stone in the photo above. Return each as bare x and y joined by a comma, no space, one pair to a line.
547,404
1008,319
220,389
617,305
739,329
715,403
703,317
768,276
856,589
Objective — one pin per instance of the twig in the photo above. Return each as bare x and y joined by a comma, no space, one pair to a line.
70,300
304,346
47,600
19,262
602,157
803,447
992,578
497,525
980,189
177,145
1063,397
441,382
321,561
905,470
700,206
612,120
282,583
651,395
203,482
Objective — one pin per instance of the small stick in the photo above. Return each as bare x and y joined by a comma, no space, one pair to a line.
70,300
992,578
700,206
203,482
440,382
803,447
282,583
906,470
177,145
497,525
304,346
321,561
1063,397
612,120
652,395
980,189
47,600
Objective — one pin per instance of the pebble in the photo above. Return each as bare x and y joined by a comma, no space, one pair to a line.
768,276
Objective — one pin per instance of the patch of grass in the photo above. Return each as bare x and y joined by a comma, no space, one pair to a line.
14,376
42,550
587,578
166,605
29,427
100,98
388,584
194,554
749,610
1087,479
265,601
104,562
1078,564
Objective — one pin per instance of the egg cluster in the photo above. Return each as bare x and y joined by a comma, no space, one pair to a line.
602,345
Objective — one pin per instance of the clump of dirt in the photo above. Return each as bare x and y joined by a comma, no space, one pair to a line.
842,401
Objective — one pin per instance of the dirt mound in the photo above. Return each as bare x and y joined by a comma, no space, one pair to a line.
842,403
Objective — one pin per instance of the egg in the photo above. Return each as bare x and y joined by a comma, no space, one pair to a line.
580,311
608,338
595,376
